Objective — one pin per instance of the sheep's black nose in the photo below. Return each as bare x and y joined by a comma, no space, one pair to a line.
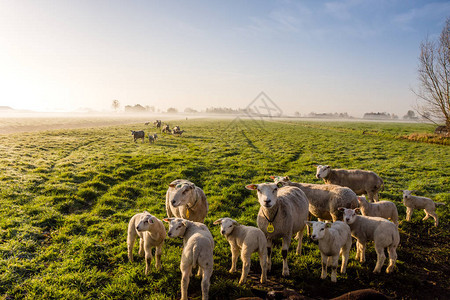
223,231
173,202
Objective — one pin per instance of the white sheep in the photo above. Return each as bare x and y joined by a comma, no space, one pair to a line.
246,240
151,232
282,213
334,239
186,200
360,181
198,246
415,202
382,209
324,199
383,232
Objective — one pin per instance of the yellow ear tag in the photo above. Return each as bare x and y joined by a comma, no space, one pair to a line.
270,228
187,213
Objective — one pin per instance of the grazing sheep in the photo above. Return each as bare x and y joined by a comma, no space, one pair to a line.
246,240
324,199
361,182
198,246
382,209
166,129
283,212
383,232
178,132
152,138
415,202
157,123
186,200
334,239
138,135
151,232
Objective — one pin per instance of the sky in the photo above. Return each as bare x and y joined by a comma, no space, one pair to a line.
351,56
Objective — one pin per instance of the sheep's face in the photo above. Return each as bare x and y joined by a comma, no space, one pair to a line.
267,193
322,171
349,215
226,225
406,194
283,179
177,227
362,201
318,229
146,222
182,194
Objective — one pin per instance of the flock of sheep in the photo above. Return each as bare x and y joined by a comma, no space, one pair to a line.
285,210
140,134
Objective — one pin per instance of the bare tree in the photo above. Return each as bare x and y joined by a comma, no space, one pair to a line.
434,77
115,104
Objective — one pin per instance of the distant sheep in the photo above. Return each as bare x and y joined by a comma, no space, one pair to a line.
283,212
166,129
361,182
198,246
157,123
246,240
415,202
152,138
138,135
334,239
383,232
186,200
151,232
324,199
383,209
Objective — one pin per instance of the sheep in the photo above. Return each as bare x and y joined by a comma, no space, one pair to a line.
151,232
415,202
334,239
247,240
166,129
361,182
152,138
138,135
178,132
198,245
157,123
383,232
383,209
324,199
186,200
283,212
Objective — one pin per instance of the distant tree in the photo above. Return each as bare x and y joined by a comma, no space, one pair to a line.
434,77
410,115
150,108
172,110
297,114
115,104
190,110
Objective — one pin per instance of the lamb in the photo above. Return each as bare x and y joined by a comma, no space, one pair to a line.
166,129
198,245
324,199
283,212
415,202
383,209
247,240
151,232
334,239
361,182
186,200
383,232
138,135
152,138
157,123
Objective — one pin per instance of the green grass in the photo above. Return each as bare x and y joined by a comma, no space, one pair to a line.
67,196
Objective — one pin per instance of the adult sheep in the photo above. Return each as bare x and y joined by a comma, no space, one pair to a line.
138,135
324,199
186,200
283,212
360,181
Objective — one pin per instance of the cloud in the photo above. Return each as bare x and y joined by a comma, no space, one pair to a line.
430,11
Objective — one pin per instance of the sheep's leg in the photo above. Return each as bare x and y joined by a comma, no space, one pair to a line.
392,258
234,258
263,262
370,196
269,255
358,251
284,252
141,247
375,196
324,266
131,238
361,251
246,260
148,259
426,216
381,257
299,238
158,253
334,265
186,270
308,230
345,252
409,212
207,272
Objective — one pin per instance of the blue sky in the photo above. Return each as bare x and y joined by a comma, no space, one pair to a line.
309,56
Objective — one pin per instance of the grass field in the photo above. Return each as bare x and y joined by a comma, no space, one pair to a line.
67,196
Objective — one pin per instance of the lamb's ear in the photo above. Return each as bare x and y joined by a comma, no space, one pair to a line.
152,219
279,184
251,187
219,221
272,177
235,223
357,210
185,223
341,208
172,185
309,223
192,186
327,167
167,220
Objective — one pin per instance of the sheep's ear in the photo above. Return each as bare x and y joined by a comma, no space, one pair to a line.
185,223
235,223
251,187
172,185
357,210
287,177
315,165
309,223
327,225
272,177
327,167
359,199
341,208
167,220
279,184
192,186
219,221
152,219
